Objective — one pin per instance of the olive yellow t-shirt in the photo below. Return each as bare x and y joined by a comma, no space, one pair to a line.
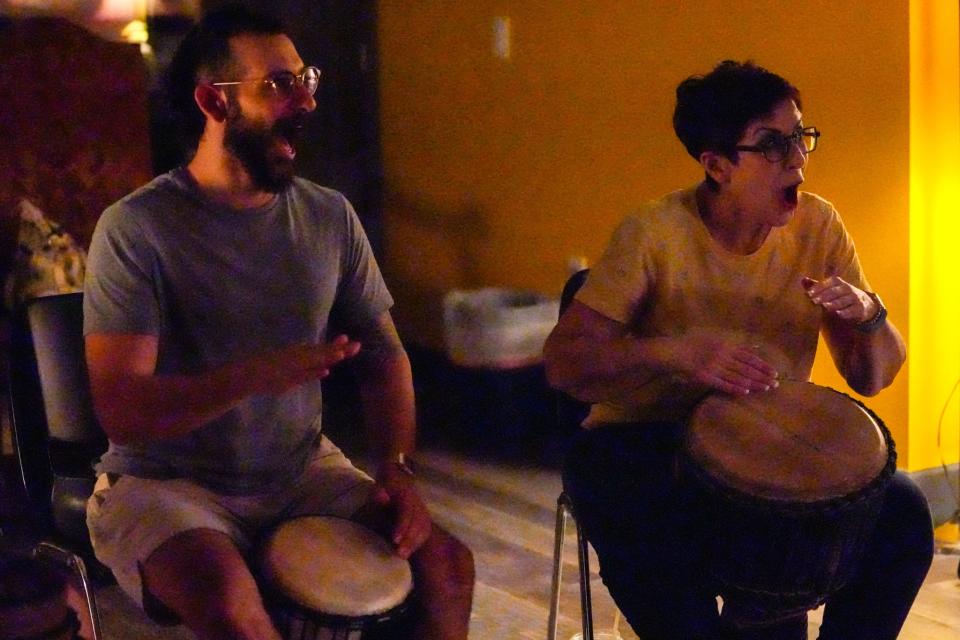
663,274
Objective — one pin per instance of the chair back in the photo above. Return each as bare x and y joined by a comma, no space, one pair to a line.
573,284
56,435
570,411
56,326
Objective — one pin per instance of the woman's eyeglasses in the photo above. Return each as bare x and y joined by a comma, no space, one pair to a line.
777,146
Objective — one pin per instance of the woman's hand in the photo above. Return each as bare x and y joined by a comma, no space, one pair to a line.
840,298
867,360
723,362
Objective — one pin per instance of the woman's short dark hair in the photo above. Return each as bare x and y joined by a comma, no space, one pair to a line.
204,54
714,110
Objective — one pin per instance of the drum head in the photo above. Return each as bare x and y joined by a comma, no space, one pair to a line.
799,442
335,566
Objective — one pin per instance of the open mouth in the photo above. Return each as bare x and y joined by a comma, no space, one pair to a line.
287,132
791,194
286,147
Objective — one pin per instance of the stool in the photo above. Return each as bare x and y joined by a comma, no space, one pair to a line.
565,508
79,584
46,594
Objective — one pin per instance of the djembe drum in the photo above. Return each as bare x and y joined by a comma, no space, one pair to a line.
793,479
327,578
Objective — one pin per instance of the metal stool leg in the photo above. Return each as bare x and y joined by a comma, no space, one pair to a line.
586,602
564,508
557,569
79,570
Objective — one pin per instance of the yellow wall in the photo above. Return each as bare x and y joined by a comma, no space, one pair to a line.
499,171
934,229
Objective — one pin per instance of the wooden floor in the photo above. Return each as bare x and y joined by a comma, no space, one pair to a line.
505,511
506,514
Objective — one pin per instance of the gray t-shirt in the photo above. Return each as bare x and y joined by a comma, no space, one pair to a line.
216,284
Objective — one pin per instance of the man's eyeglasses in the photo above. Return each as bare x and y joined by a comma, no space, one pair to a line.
777,146
284,83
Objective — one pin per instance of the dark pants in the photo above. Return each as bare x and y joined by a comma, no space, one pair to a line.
648,529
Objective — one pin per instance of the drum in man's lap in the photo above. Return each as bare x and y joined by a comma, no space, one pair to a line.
328,578
794,479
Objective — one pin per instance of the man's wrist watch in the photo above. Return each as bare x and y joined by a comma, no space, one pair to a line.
874,323
403,463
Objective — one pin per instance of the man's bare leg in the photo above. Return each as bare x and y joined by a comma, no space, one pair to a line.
201,576
444,573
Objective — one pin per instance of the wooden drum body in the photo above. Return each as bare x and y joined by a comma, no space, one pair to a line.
327,578
794,479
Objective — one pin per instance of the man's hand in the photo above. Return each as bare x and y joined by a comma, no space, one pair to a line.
722,362
135,404
395,491
840,298
288,367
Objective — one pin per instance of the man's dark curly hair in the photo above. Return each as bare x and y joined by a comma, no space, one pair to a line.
204,55
714,110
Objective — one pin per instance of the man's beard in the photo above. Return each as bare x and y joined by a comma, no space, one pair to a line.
253,144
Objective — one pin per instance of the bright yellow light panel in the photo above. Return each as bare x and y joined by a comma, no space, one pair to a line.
934,331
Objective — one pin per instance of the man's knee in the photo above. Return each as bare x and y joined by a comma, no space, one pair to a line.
217,594
445,554
461,559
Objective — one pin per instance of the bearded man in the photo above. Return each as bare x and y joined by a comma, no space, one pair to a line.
207,309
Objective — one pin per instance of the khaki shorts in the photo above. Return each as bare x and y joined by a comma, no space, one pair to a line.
130,517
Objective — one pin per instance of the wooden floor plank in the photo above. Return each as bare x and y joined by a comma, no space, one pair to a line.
527,483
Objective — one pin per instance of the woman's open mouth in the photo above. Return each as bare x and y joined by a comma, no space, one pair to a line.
791,194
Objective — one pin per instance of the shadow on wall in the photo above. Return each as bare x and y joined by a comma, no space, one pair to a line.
442,249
